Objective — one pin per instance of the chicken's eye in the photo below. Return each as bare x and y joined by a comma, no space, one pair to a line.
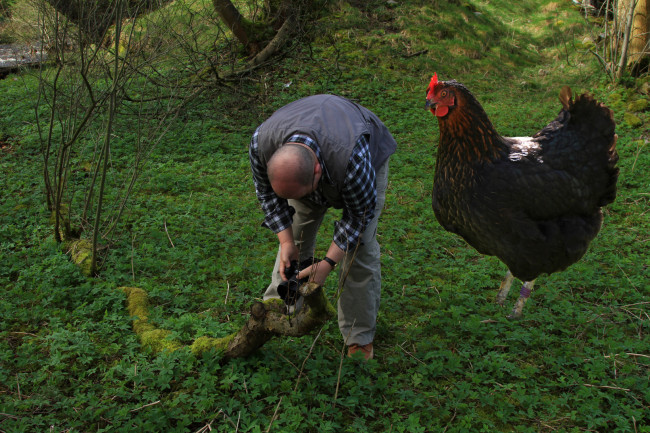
443,94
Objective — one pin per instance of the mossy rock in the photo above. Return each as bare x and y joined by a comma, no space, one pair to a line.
639,105
632,120
645,88
587,43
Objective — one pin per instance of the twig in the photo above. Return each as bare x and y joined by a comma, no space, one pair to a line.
626,353
206,428
450,421
23,333
225,302
295,367
411,355
636,303
628,278
606,387
132,262
603,63
170,239
227,418
302,367
146,405
438,292
638,152
338,379
627,33
277,406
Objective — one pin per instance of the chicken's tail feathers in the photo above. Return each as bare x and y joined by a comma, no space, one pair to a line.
566,99
594,121
600,121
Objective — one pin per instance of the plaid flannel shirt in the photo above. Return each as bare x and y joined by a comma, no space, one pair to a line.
359,194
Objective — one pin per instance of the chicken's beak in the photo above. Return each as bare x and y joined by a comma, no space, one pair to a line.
431,105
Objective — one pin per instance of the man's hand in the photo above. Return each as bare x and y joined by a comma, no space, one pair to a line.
288,250
317,272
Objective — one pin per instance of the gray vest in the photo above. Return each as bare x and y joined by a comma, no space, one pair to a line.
336,124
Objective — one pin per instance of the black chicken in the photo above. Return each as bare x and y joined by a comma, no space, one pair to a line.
534,202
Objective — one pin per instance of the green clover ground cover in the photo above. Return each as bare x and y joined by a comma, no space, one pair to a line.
446,357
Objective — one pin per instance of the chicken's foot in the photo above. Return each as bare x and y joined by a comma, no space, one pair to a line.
524,294
504,288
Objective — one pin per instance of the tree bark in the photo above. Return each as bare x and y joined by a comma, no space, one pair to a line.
636,27
235,22
276,43
639,36
628,18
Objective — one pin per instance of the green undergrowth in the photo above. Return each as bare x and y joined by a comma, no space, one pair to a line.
447,359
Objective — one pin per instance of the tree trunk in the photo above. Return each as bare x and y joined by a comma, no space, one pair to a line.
276,43
626,18
235,22
637,44
640,28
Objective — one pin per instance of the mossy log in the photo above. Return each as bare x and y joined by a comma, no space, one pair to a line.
81,251
267,319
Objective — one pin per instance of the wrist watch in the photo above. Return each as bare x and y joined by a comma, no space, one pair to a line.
331,262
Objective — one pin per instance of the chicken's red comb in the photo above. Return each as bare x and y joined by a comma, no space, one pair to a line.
434,80
432,85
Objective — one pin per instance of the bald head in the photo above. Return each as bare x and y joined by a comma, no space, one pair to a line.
293,171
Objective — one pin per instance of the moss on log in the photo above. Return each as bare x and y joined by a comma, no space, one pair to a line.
267,319
81,253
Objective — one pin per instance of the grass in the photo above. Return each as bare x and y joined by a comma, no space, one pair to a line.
447,360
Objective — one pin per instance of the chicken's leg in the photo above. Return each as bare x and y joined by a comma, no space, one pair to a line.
524,294
504,288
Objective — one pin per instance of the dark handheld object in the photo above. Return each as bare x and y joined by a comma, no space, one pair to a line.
288,290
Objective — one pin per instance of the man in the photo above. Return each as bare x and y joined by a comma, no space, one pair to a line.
319,152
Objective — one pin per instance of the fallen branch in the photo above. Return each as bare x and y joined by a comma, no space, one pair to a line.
267,319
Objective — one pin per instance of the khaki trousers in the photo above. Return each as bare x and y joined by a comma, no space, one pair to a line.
360,288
